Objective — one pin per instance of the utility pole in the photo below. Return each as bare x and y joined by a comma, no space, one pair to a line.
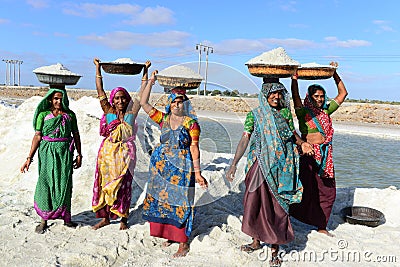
205,49
11,64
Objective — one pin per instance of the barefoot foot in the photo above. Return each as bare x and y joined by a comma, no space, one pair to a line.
123,224
324,231
42,227
183,250
102,223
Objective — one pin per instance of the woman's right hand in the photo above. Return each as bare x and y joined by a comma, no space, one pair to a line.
153,75
230,175
25,166
96,61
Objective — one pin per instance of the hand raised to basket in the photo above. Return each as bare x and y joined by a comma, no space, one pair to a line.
96,61
334,64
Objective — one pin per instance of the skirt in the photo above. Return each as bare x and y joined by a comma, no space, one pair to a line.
263,218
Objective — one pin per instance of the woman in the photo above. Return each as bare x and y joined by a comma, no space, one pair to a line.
116,158
174,168
54,123
316,169
272,170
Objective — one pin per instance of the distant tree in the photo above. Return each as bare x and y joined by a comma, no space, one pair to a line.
216,92
226,93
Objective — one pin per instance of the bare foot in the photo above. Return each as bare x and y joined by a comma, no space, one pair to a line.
42,227
324,231
183,250
255,245
102,223
124,224
168,243
71,224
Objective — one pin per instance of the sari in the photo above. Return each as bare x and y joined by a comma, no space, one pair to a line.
169,200
53,192
116,161
272,182
317,171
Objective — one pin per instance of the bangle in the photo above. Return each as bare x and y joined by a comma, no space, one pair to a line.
30,159
144,79
152,81
99,76
102,97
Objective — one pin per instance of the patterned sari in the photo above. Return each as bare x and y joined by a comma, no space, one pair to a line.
169,201
54,187
116,161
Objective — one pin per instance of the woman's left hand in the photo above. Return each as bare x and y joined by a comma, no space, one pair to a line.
307,149
77,162
201,181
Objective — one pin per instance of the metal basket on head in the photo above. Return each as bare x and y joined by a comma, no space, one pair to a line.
272,71
122,68
56,75
313,71
362,215
172,82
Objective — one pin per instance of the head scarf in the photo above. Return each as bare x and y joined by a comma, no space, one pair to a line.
308,101
274,148
187,105
103,121
45,104
268,88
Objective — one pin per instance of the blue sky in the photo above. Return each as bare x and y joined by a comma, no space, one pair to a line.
362,36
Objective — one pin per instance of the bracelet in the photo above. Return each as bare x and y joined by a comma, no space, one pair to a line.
99,76
30,159
144,79
102,97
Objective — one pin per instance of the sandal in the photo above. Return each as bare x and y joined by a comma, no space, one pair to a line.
275,261
249,249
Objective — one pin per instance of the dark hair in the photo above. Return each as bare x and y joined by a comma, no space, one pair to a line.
314,88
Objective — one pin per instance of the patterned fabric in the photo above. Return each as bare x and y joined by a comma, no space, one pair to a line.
187,105
116,161
273,147
284,112
170,190
317,118
53,192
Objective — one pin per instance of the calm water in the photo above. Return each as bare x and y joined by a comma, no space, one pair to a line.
360,161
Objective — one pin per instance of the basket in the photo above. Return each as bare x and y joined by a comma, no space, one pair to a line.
362,215
171,82
122,68
272,71
315,73
58,79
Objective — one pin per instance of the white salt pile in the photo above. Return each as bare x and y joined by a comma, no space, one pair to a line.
315,65
57,69
277,56
178,71
124,60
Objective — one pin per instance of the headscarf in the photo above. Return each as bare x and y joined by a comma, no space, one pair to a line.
316,118
103,121
268,88
187,105
274,148
45,104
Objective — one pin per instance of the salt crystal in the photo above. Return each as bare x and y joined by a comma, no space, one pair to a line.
179,71
124,60
57,69
315,65
275,56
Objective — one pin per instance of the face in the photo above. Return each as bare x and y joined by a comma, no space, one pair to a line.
56,100
318,98
177,106
275,99
120,101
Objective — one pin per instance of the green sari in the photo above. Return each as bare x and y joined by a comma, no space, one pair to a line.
54,187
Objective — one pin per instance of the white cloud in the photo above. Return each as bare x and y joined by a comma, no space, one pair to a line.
60,34
383,26
244,46
348,43
135,13
4,21
122,40
153,16
38,3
